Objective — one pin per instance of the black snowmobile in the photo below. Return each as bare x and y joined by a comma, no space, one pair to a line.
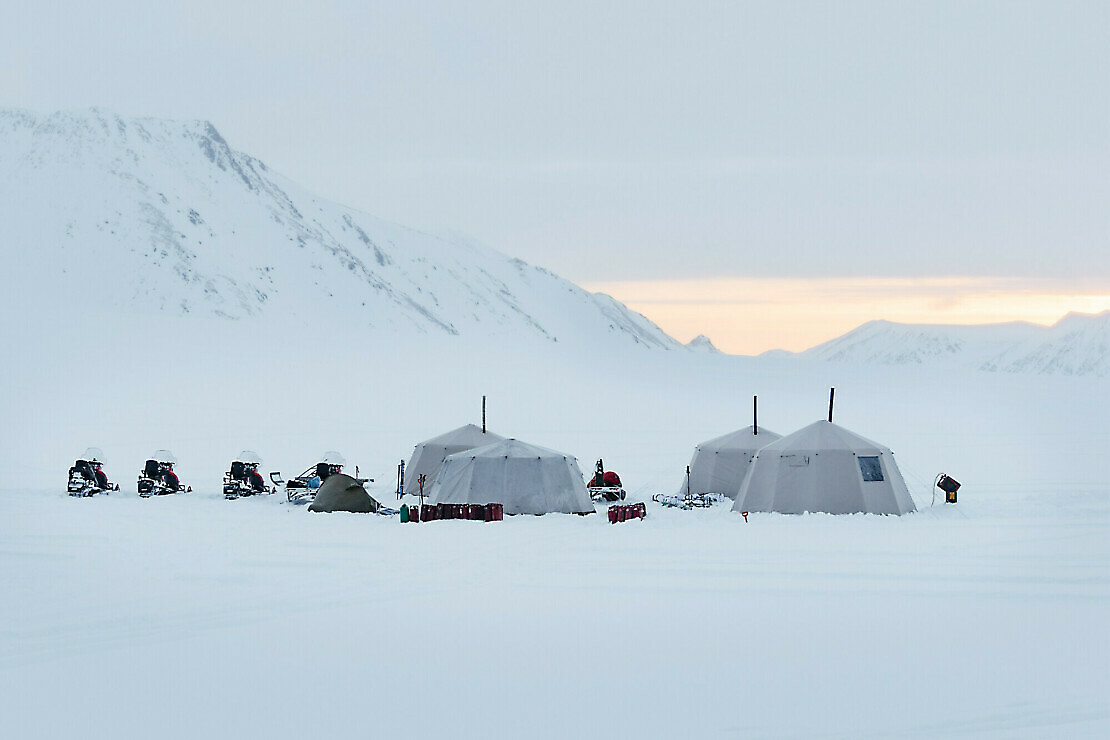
305,485
244,479
302,488
87,476
157,477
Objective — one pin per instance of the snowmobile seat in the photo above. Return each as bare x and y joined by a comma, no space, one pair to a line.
84,469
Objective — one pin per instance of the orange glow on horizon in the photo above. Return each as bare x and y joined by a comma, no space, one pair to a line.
749,316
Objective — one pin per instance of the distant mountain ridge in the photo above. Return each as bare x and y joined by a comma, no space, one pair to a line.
148,216
1078,344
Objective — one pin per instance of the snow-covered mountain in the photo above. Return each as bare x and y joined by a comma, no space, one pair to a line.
702,343
153,217
1078,344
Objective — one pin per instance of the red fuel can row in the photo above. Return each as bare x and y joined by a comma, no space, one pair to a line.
624,512
473,512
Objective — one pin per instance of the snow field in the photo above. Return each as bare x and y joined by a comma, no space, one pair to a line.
190,615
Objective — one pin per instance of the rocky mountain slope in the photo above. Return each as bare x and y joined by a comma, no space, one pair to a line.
142,217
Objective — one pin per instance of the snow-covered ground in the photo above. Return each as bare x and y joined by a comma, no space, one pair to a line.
192,616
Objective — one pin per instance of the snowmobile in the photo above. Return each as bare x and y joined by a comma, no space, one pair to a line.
302,488
605,486
87,477
244,479
157,477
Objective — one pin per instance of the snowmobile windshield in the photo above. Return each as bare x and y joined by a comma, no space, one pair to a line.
249,456
163,456
334,458
93,453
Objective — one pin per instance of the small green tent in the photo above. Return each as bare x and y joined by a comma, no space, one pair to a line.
341,492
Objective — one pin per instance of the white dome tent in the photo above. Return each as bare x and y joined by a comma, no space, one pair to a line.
720,464
824,468
429,455
524,478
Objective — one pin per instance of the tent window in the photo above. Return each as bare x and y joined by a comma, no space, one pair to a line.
797,461
871,469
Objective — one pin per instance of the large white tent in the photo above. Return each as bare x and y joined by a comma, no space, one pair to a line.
720,464
430,454
524,478
824,467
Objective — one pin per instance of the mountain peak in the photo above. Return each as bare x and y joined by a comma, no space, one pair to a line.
702,343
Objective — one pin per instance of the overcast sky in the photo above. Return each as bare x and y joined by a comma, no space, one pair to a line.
636,142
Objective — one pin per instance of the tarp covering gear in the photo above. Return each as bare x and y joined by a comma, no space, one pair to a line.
524,478
430,454
824,468
720,464
689,501
341,492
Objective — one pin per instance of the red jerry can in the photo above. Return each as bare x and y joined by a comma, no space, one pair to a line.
641,510
462,511
477,512
498,512
487,512
426,512
612,512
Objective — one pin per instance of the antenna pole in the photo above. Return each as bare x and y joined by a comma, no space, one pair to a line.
483,414
832,392
755,415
